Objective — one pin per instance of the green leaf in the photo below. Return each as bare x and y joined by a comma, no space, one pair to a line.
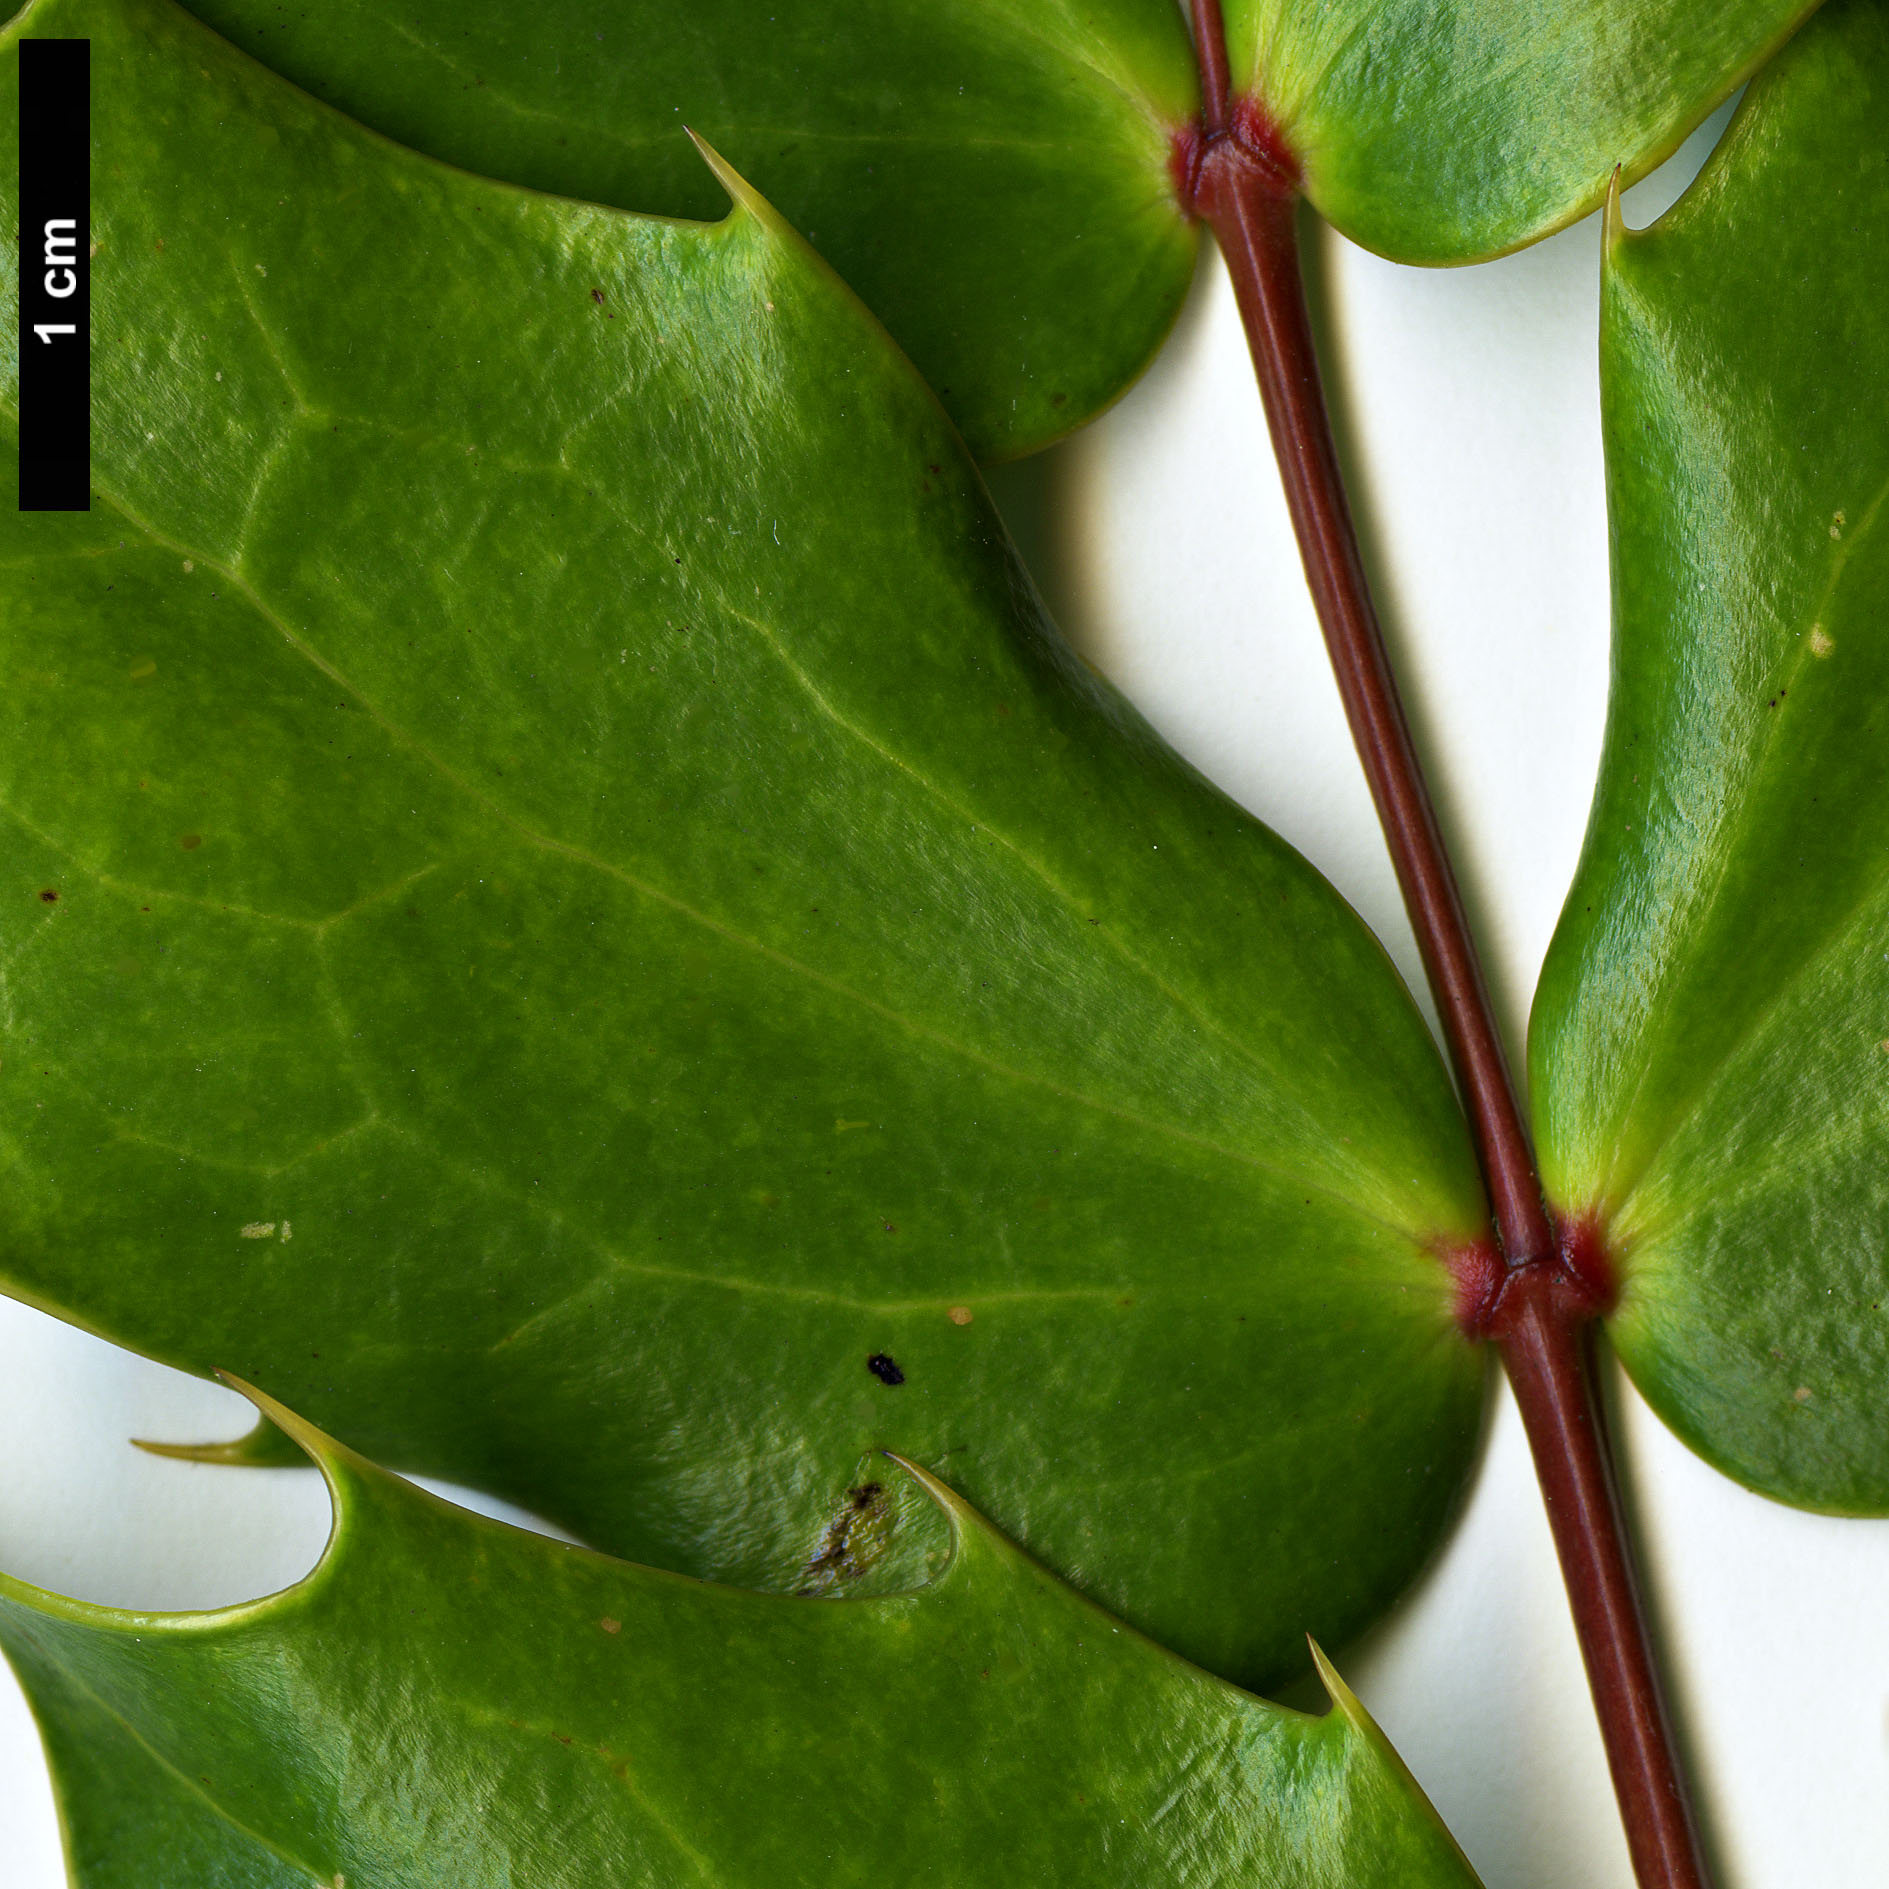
446,1699
991,177
1449,132
1709,1044
994,177
604,948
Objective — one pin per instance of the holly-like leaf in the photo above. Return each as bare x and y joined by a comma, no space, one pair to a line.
567,914
445,1699
1449,132
1711,1041
996,177
991,178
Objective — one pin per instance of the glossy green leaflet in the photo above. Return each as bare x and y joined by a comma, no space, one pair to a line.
486,1457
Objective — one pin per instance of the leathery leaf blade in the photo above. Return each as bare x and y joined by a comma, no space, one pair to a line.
990,175
1711,1040
568,915
448,1700
1448,132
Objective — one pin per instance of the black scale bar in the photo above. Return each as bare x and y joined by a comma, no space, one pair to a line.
55,275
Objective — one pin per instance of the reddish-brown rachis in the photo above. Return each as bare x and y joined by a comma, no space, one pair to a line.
1532,1287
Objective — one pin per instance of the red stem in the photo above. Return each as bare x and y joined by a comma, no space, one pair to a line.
1210,54
1543,1321
1541,1300
1255,219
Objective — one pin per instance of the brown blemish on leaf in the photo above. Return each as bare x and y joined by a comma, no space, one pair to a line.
190,841
960,1315
51,895
855,1538
609,1625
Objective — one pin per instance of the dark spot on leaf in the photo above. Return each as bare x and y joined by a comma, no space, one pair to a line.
854,1539
190,841
884,1369
596,295
51,895
1057,400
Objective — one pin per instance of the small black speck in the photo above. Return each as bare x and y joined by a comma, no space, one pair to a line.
50,895
883,1368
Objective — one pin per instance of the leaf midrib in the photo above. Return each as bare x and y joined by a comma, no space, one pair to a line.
241,585
1713,1076
191,1786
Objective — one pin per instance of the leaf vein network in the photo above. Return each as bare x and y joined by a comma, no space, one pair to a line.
523,830
1712,1077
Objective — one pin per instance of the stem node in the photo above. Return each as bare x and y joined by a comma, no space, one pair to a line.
1537,1286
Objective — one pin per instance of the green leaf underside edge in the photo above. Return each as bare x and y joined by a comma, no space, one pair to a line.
1457,132
992,180
1711,1040
650,1046
444,1698
996,179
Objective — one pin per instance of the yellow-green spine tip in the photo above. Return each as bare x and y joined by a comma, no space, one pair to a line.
745,195
1613,222
1339,1693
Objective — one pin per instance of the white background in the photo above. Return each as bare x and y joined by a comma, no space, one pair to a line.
1469,413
